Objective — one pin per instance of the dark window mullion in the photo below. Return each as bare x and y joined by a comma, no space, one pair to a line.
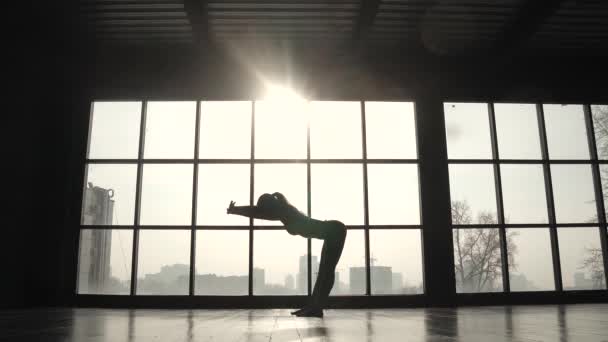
365,202
251,189
557,272
500,217
138,185
194,199
597,184
309,209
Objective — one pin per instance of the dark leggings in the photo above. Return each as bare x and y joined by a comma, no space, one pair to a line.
333,244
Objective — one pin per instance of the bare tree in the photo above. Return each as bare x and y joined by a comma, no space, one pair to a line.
593,262
477,253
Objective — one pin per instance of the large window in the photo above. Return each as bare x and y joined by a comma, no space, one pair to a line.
159,176
526,195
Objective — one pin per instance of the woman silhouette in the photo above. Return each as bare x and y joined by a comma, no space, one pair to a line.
275,207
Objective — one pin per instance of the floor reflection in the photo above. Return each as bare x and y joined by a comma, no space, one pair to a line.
517,323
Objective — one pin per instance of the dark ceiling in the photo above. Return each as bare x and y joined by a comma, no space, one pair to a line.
444,28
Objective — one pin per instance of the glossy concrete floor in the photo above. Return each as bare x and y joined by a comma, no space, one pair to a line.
488,324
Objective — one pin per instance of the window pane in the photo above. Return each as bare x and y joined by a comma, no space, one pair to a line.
104,265
288,179
394,197
600,126
477,260
472,193
566,132
396,261
604,181
530,259
225,131
164,262
276,256
337,192
517,131
114,130
350,272
573,194
222,262
166,195
523,191
391,130
109,195
581,259
335,130
280,129
170,130
467,129
218,184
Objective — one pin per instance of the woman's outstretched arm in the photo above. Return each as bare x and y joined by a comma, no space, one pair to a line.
251,211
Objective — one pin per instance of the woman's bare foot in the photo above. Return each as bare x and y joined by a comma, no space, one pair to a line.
310,312
298,311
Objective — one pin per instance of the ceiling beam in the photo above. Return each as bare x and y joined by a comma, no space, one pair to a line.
524,24
367,13
197,13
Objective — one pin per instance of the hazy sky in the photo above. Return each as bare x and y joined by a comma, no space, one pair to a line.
336,189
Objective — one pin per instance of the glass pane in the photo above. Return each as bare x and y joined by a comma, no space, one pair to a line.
170,130
573,194
477,260
104,265
335,130
580,254
163,266
391,130
222,262
394,197
600,126
523,191
280,129
337,192
396,261
604,181
530,259
225,131
166,194
566,132
472,193
350,272
114,130
467,127
288,179
517,131
218,184
109,195
276,261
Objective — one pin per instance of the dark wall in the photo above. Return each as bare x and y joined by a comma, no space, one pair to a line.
58,74
43,71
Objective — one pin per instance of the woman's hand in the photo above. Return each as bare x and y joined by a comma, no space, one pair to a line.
230,207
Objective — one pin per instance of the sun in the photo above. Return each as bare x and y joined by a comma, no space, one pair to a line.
280,93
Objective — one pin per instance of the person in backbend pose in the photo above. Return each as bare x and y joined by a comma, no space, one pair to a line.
275,207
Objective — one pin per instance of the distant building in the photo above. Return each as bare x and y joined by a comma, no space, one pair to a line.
172,279
581,282
397,282
520,282
289,282
259,278
381,276
382,279
224,285
357,279
302,276
96,244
